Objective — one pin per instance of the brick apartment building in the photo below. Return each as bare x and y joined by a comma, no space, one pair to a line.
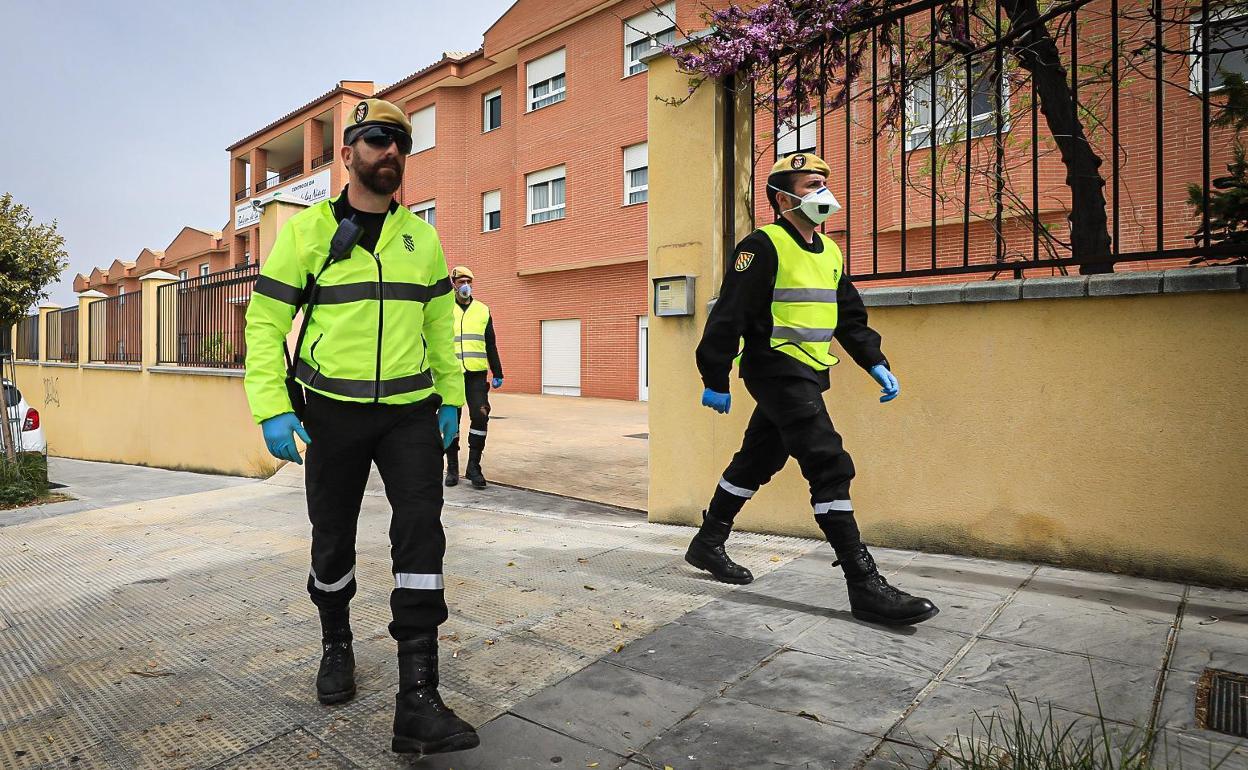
530,158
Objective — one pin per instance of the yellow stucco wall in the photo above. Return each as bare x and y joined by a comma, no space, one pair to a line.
197,422
1107,433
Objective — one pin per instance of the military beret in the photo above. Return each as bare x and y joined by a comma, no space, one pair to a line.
375,112
460,270
801,161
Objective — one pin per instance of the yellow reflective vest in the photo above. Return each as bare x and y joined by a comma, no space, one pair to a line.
381,331
470,324
803,303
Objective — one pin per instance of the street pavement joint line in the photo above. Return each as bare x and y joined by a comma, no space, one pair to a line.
321,746
944,671
570,737
1172,640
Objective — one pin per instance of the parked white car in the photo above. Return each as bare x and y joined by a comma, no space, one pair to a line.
25,421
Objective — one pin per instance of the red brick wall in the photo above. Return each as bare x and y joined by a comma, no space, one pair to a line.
551,270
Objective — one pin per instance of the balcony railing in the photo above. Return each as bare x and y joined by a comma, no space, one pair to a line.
280,176
243,193
324,159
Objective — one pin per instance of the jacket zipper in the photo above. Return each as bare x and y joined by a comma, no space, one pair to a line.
381,325
312,352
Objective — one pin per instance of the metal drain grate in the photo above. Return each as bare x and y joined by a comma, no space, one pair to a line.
1222,702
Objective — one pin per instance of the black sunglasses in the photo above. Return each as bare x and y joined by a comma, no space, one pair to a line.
380,137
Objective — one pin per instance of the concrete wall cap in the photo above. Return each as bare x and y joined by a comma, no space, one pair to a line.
50,305
159,275
1215,278
92,294
886,296
1055,287
1118,284
992,291
937,294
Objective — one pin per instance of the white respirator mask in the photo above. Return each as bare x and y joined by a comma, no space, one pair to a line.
465,291
817,205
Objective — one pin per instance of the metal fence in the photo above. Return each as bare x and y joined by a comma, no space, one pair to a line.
28,338
200,321
947,160
61,333
116,329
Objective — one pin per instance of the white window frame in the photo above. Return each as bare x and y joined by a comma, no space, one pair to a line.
952,94
203,269
546,71
1196,76
497,93
545,178
656,26
799,136
426,210
424,128
491,203
184,274
636,158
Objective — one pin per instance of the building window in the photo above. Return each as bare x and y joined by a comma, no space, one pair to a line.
203,269
183,275
424,129
427,211
950,105
1228,36
492,110
645,33
636,174
547,194
799,134
491,211
546,79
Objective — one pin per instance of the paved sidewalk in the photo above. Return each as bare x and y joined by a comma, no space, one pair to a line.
178,635
101,485
586,448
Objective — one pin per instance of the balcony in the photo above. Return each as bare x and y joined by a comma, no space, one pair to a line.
243,193
280,176
324,159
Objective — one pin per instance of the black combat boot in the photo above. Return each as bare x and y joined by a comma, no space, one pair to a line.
452,475
706,551
872,599
335,680
423,724
474,473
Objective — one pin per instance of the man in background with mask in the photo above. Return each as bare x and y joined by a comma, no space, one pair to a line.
787,297
477,351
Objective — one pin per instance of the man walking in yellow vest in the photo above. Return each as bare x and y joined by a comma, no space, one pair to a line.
787,297
477,351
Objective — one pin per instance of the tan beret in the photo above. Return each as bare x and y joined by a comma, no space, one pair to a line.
801,161
375,112
460,270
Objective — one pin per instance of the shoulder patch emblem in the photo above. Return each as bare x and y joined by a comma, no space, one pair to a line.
408,243
744,259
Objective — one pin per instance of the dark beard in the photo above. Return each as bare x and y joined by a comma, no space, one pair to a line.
374,181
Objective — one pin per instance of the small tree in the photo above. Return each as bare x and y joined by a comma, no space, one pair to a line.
31,257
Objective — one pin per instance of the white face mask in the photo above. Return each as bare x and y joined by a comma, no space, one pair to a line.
465,291
817,205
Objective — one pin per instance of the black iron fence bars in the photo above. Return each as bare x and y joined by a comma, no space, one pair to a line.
200,321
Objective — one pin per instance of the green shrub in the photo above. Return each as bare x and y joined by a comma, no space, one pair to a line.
23,480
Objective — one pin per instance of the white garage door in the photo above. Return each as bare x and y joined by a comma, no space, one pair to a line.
561,357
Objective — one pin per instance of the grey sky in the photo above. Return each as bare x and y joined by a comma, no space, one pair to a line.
121,111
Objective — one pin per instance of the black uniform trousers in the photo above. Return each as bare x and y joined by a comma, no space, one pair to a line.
404,441
477,394
791,420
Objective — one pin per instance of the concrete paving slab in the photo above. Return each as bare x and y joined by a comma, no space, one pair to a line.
1190,751
759,617
611,706
1085,628
957,718
694,657
511,743
728,733
856,695
916,650
1067,681
958,613
1199,647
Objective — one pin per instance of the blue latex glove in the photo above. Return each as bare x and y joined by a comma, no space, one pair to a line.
279,436
448,424
720,402
887,381
497,382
